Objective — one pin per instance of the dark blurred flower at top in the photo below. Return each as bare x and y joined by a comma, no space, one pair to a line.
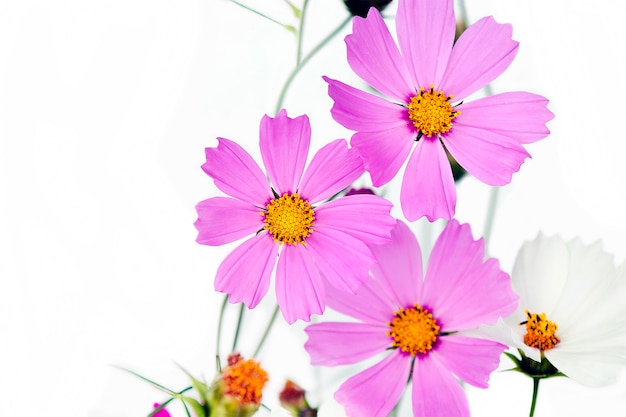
356,191
361,7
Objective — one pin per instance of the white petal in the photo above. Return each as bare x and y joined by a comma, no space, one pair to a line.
539,273
510,334
586,368
590,280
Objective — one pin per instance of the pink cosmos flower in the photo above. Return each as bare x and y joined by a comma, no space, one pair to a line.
161,413
317,241
419,322
426,79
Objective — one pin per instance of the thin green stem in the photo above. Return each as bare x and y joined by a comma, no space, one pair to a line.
155,384
267,331
394,411
259,13
305,60
169,400
491,214
238,329
463,12
219,326
493,196
534,400
301,32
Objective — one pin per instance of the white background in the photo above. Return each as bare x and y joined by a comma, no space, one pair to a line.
105,110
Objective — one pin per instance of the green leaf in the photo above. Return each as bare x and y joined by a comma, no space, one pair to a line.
197,408
200,386
514,358
296,11
155,384
257,12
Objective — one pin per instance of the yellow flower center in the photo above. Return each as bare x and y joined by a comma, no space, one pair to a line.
540,332
414,330
244,380
289,219
431,112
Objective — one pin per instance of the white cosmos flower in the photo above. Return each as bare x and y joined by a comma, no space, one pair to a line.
583,294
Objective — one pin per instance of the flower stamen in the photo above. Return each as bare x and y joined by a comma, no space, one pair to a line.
414,330
540,332
431,112
289,219
244,380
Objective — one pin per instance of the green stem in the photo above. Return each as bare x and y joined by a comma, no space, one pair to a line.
169,400
301,32
259,13
534,400
238,329
155,384
491,214
305,60
219,326
463,12
267,331
394,411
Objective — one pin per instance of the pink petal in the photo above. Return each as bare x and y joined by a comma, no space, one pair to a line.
284,148
426,34
365,217
518,115
480,55
236,174
435,391
343,260
374,56
162,412
332,169
399,266
469,358
371,303
455,252
299,287
384,152
223,220
489,156
365,112
428,186
385,134
245,273
375,391
462,290
332,344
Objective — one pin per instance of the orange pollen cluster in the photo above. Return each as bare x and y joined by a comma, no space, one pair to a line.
431,112
414,330
289,219
244,380
540,332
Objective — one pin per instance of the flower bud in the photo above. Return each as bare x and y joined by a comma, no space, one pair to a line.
237,392
293,399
